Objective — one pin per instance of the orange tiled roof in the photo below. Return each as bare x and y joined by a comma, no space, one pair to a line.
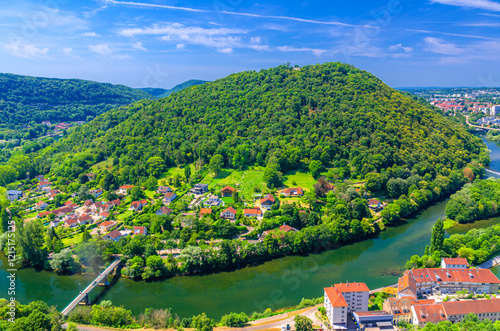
336,298
430,313
456,260
352,287
454,275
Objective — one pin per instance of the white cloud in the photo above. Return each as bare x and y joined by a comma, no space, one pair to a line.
138,46
400,47
315,51
90,34
226,50
180,46
222,39
476,4
26,50
195,10
437,45
102,49
67,51
177,29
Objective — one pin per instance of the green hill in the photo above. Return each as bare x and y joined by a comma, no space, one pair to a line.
24,99
182,86
332,114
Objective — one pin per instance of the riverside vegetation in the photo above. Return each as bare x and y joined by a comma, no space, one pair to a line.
332,121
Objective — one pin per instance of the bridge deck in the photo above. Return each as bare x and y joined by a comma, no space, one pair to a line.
89,288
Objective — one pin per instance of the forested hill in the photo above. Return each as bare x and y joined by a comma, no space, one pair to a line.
332,113
24,99
161,93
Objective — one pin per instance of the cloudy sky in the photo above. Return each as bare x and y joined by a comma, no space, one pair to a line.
161,43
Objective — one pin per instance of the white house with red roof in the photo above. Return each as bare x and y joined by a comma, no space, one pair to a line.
267,202
454,262
169,197
140,230
41,205
344,298
252,212
229,213
227,191
293,192
113,235
122,190
138,205
164,211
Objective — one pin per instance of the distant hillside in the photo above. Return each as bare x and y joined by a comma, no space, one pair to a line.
24,99
162,93
334,114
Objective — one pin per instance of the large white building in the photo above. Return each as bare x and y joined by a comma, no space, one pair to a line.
344,298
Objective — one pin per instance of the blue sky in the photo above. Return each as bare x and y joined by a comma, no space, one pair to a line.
161,43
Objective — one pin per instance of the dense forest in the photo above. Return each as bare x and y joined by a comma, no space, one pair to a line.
478,200
24,99
330,115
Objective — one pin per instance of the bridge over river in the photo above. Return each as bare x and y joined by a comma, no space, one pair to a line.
84,295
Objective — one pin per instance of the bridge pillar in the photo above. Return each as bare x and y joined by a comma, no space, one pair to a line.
104,282
85,301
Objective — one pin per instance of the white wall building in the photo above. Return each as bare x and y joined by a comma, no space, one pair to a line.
344,298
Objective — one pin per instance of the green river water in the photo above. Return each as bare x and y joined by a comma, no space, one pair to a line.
279,283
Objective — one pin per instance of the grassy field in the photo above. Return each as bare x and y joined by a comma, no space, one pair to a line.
107,164
299,179
124,215
72,241
244,181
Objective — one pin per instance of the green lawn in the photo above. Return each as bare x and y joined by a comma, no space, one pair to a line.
124,215
72,241
244,181
299,179
108,164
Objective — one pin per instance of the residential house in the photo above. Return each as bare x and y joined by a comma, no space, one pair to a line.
43,214
71,223
267,202
164,211
169,197
229,213
401,308
252,212
448,280
205,211
88,203
164,189
41,205
107,225
113,235
138,205
104,215
227,191
199,189
39,177
374,204
122,190
96,193
140,230
14,195
284,228
85,219
52,194
342,299
293,192
214,201
457,262
54,223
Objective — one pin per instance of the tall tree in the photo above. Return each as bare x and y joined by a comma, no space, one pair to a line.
216,163
437,238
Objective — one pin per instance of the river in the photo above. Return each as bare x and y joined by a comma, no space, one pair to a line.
274,284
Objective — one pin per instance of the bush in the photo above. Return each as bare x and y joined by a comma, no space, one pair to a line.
234,320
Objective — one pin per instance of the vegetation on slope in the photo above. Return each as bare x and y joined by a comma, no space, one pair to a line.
24,99
330,115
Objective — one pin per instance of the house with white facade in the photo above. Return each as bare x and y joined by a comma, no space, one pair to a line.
344,298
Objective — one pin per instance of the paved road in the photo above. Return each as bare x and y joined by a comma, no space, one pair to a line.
477,126
310,313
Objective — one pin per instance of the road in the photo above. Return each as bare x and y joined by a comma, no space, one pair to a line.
477,126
